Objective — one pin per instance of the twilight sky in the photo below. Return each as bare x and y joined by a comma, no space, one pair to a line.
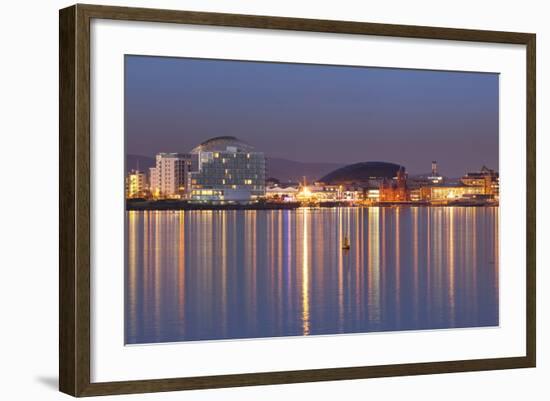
315,113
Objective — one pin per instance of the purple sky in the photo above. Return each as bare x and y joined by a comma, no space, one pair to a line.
315,113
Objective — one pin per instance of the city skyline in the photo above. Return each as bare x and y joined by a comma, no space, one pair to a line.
405,116
383,215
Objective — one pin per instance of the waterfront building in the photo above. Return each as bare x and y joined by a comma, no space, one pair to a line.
321,193
368,182
277,193
228,170
449,192
486,178
327,193
363,175
415,195
169,177
395,190
136,184
373,195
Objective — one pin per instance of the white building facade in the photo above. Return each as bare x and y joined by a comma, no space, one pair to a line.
170,176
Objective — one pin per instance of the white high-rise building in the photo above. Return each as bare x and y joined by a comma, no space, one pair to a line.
169,177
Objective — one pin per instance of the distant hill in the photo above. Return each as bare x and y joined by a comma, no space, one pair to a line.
292,171
142,163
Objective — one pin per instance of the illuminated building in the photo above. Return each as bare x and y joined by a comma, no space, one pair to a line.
353,194
135,184
373,195
422,180
486,178
415,195
228,170
327,193
368,182
450,192
320,193
435,178
280,194
169,177
362,175
396,189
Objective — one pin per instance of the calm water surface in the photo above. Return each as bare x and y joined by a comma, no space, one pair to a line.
204,275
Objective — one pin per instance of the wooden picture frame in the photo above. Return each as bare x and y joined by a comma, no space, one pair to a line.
74,204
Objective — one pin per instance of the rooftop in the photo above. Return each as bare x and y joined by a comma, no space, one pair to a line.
221,143
360,172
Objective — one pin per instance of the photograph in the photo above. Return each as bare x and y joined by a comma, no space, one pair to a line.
274,199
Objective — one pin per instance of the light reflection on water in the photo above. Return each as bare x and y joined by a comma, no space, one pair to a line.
204,275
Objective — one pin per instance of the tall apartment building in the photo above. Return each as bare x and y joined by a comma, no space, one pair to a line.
169,177
136,184
228,170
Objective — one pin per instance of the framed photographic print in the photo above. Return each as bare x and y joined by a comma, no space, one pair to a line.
251,200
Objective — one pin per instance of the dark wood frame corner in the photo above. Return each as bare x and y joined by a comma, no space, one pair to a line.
74,199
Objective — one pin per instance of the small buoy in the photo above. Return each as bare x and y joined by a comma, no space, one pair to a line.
346,244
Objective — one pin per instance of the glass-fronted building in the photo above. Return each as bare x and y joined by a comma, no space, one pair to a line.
229,170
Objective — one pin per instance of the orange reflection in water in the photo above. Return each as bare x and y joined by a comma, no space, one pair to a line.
305,273
280,269
473,262
223,262
236,274
451,261
428,261
147,238
415,246
340,239
181,270
250,266
397,241
358,265
374,264
132,269
496,247
157,285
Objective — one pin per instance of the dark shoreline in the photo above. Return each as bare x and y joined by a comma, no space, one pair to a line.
144,205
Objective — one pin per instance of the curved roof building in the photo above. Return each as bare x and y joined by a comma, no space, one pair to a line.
362,172
228,170
222,143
